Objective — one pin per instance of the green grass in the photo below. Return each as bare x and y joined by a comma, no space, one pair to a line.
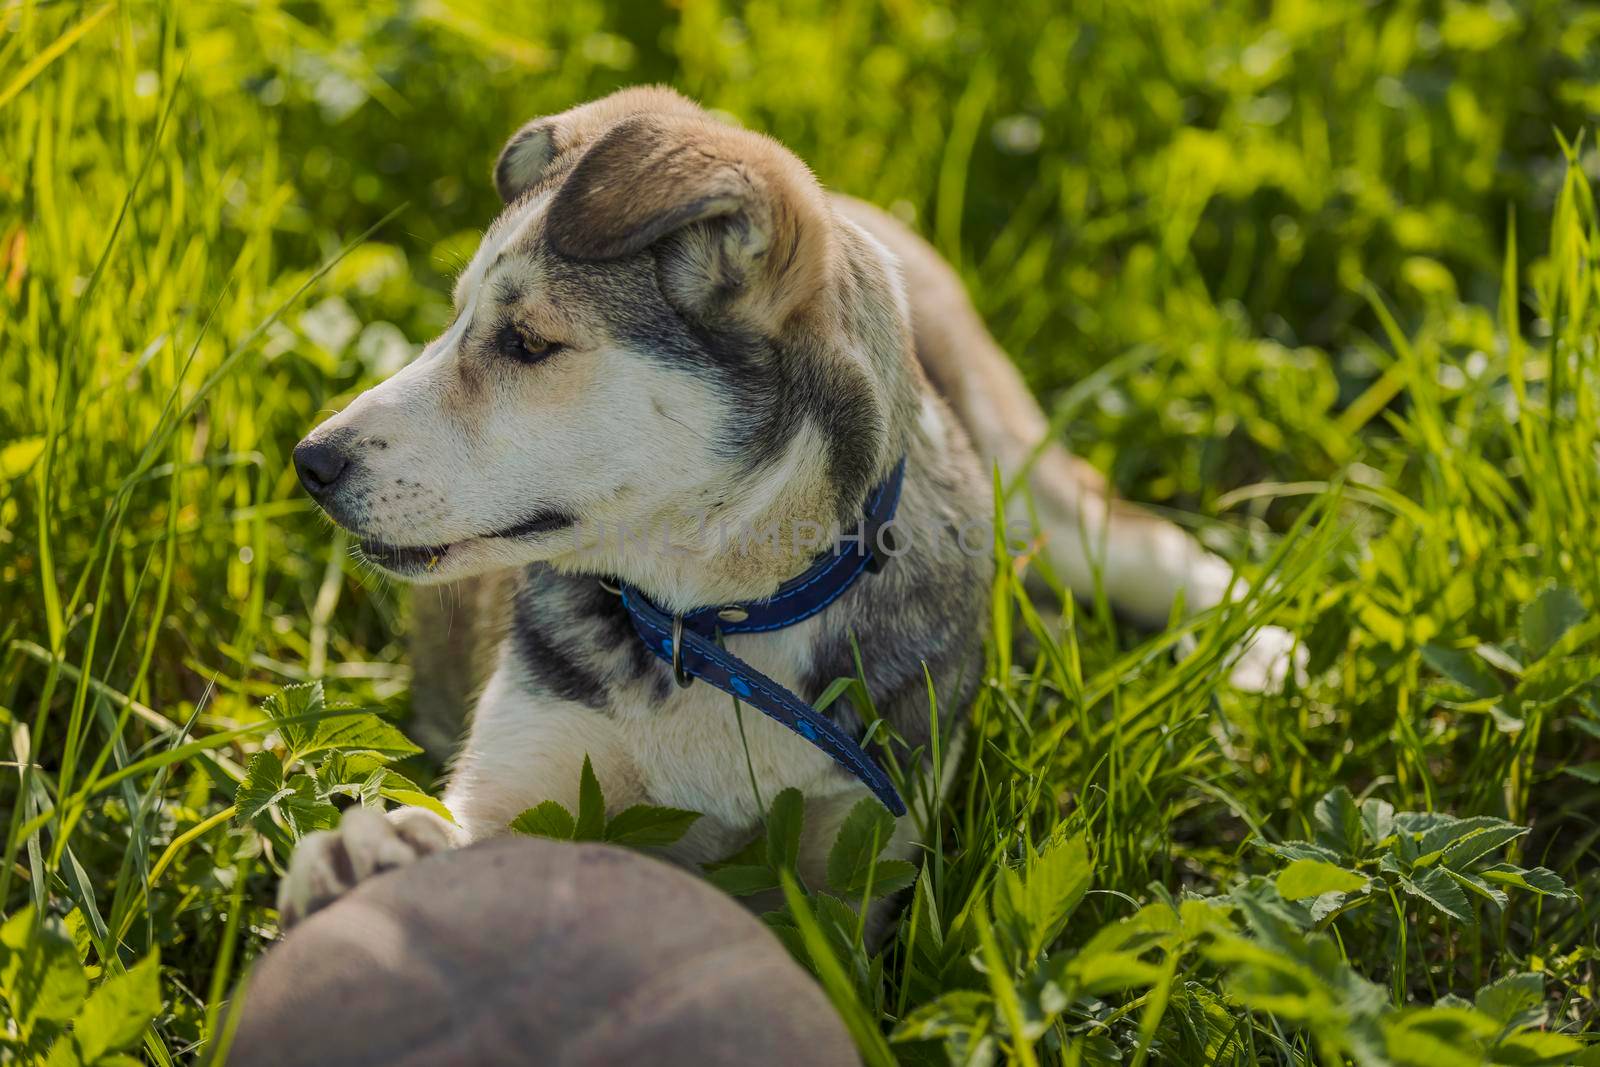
1354,260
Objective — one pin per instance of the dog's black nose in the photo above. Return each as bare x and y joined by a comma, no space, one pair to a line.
320,463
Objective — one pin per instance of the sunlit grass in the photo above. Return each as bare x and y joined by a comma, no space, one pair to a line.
1355,343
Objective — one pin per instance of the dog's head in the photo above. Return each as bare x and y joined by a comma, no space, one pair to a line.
666,332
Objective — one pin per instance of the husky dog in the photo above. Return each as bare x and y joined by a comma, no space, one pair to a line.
672,328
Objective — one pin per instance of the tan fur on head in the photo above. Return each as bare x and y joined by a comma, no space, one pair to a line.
543,141
644,163
652,175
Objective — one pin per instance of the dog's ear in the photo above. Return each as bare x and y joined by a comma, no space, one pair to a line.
527,157
752,218
523,160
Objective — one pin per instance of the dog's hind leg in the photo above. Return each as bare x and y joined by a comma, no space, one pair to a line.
1142,562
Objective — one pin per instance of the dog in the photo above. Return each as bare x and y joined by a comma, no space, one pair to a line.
673,328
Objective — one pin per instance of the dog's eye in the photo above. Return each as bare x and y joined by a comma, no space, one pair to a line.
526,347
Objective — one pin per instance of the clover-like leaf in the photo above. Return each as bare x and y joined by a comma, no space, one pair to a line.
649,826
261,790
865,833
546,819
591,822
784,825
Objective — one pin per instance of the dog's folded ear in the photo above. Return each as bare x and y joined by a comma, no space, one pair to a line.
752,218
523,160
527,158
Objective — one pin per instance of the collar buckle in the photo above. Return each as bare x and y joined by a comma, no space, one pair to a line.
679,674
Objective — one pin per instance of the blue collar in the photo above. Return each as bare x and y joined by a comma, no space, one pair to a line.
690,641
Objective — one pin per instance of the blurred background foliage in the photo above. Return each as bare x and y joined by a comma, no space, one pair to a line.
1220,196
1220,182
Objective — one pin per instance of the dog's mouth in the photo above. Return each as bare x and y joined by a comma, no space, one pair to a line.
424,559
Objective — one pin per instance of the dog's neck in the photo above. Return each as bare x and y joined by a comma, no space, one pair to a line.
690,560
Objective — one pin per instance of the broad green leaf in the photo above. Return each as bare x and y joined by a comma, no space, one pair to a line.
1152,926
1266,980
1320,907
1584,772
1557,678
959,1011
865,833
1539,880
743,879
1440,836
369,792
1113,972
891,876
294,700
1300,977
1198,916
40,976
648,826
1551,614
305,809
1338,822
1053,885
1312,878
1437,888
362,730
1299,850
547,819
1536,1047
117,1013
1036,900
1474,884
261,790
591,823
1436,1037
1465,668
1514,1000
1377,820
64,1053
1465,851
402,790
784,824
1419,823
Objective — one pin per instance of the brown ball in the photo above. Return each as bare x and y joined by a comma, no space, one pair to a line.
526,951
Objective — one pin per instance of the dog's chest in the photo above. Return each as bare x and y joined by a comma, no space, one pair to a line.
699,749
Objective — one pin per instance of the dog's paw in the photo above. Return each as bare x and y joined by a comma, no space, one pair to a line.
329,863
1266,661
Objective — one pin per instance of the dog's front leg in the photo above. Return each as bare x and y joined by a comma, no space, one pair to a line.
527,748
523,749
